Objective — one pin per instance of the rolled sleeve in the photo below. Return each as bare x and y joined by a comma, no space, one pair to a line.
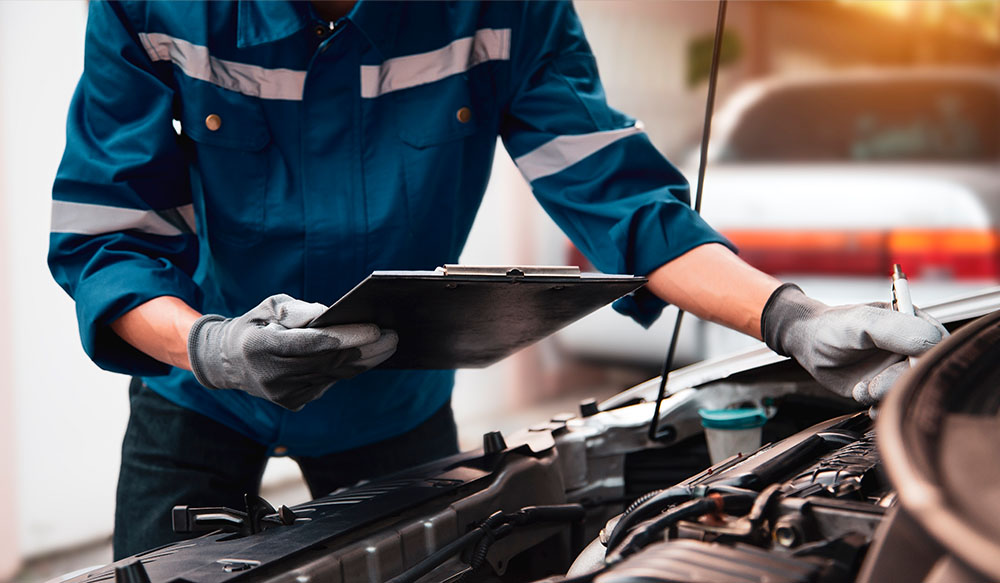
123,227
592,168
110,292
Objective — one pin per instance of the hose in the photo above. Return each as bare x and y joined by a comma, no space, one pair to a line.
652,530
642,500
478,557
644,508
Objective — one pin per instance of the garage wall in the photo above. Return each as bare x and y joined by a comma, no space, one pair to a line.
69,415
9,551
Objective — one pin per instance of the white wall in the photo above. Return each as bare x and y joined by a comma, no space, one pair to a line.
69,415
9,549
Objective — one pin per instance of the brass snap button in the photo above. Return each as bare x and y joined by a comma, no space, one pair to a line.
464,114
280,450
213,122
320,30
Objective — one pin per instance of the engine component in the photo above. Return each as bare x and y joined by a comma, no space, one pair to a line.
701,562
824,502
805,507
939,433
374,531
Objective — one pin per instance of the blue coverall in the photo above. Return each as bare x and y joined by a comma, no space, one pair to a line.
222,152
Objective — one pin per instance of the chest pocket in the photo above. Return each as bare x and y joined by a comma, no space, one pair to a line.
230,136
447,133
438,113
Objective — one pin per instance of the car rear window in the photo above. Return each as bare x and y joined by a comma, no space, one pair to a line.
871,122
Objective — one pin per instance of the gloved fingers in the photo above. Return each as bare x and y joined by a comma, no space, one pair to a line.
350,371
296,400
298,314
352,335
933,322
899,333
872,390
307,367
274,340
880,385
293,403
312,391
318,341
853,350
292,391
277,340
362,358
350,363
841,376
285,310
378,351
328,364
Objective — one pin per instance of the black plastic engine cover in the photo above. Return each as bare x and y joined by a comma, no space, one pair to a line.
368,533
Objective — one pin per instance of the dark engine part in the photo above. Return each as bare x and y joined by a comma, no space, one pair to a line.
802,509
376,531
655,468
940,433
460,519
815,506
689,560
823,508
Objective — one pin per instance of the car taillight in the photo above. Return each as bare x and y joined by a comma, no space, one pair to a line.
812,252
947,253
962,254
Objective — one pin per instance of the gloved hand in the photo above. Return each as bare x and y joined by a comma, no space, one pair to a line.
856,350
269,353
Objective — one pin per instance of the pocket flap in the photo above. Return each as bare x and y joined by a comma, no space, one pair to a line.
217,117
437,113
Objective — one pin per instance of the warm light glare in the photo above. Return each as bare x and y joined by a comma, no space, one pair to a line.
895,8
976,17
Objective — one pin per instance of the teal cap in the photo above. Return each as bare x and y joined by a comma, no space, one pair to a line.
732,418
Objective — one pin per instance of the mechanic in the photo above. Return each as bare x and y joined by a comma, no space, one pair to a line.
317,143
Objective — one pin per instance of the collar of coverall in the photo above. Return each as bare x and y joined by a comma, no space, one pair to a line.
264,21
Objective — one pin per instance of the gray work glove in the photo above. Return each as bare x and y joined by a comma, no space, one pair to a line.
855,351
269,353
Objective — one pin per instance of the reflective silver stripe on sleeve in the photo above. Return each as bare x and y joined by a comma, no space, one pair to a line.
94,219
488,44
196,62
562,152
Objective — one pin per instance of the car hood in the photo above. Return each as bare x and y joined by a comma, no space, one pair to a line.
851,196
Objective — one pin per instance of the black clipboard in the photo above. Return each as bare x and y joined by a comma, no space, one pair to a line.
473,316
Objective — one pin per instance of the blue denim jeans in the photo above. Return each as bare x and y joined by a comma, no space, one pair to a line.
173,456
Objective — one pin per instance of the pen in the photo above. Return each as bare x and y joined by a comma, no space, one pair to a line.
901,297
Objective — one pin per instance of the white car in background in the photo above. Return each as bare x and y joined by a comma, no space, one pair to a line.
828,180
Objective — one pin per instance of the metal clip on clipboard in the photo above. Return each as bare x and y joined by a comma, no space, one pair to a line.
511,270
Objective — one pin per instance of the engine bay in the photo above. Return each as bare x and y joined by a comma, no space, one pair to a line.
589,497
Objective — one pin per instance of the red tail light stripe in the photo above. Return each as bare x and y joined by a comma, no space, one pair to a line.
950,253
